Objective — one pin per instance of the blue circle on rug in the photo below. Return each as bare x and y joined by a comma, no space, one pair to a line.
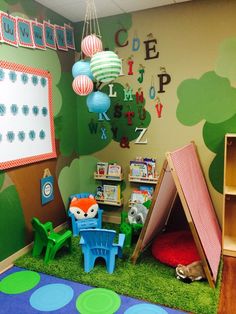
51,297
145,308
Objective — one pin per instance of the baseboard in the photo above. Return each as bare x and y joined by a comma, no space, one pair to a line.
8,262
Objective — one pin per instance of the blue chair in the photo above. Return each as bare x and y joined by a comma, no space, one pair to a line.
79,224
99,243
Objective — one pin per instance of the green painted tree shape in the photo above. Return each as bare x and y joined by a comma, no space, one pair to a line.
12,223
91,130
213,99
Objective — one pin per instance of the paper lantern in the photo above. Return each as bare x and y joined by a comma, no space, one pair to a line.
98,102
105,66
82,68
90,45
82,85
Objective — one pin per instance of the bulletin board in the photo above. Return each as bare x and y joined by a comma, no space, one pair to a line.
26,117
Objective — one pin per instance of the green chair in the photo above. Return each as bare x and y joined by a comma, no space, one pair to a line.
46,238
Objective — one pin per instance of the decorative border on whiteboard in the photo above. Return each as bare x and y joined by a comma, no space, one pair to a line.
52,154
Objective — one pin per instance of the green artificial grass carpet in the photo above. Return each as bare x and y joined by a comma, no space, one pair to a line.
148,280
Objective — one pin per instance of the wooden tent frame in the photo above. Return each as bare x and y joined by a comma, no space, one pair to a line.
143,243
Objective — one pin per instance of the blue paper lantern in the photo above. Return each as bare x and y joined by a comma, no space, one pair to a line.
82,68
98,102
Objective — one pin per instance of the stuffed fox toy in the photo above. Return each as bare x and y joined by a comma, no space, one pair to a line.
84,208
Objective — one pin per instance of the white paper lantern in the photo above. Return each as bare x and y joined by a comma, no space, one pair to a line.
105,66
82,85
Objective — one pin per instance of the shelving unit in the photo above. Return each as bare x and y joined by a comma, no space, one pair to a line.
107,177
229,197
143,180
110,215
147,180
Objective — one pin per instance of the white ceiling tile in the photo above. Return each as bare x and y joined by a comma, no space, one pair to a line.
74,10
137,5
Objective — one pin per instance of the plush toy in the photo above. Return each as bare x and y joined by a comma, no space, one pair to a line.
84,208
137,214
191,272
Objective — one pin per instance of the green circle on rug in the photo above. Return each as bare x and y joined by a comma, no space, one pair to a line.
19,282
98,301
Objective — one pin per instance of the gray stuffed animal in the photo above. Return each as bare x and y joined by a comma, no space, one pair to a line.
137,214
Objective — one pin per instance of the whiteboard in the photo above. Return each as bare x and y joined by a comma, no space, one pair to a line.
26,118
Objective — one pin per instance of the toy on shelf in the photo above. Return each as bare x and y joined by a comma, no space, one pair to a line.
45,237
99,243
84,212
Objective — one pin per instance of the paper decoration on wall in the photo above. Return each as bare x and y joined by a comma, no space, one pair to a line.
103,133
128,93
26,118
141,72
135,44
118,111
158,107
8,29
130,64
38,35
129,115
47,189
117,38
70,41
49,33
60,37
139,139
124,142
24,33
139,96
142,113
152,91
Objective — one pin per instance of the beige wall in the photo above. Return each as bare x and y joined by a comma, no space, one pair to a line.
188,37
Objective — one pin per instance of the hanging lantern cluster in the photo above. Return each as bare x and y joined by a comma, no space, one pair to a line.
104,66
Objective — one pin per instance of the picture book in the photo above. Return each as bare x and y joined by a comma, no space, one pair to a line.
138,169
140,197
102,168
111,193
148,188
151,167
114,170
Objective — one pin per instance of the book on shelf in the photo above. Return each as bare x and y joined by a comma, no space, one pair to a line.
148,188
114,170
138,169
111,193
140,197
151,167
99,193
102,168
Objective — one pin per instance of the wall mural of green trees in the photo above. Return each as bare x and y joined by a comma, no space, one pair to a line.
212,98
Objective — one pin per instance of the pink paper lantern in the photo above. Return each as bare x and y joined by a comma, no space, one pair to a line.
82,85
90,45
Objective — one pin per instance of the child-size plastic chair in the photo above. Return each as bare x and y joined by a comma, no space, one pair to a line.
46,237
79,224
99,243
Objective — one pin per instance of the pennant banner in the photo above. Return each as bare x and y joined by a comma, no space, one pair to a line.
17,31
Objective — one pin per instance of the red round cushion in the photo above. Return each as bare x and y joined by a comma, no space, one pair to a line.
175,248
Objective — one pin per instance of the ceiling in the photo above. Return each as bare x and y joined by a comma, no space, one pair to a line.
74,10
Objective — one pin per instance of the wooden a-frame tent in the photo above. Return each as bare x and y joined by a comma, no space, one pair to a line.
182,174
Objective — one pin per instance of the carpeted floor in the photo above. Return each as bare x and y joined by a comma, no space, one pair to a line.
27,292
147,280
